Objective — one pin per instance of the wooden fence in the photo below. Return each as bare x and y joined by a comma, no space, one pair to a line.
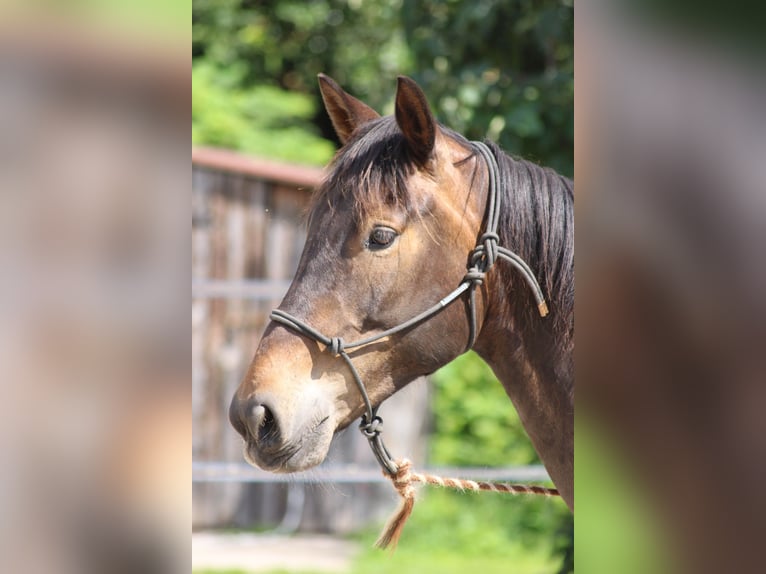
247,236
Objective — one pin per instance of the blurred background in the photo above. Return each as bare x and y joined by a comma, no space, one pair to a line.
671,224
502,70
94,370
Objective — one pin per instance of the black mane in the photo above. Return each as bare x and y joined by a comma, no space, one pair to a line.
373,168
536,222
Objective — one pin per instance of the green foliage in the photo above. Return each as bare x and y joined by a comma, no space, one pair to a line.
248,51
360,44
481,549
475,424
499,69
262,120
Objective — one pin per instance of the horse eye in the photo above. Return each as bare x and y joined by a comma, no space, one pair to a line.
381,237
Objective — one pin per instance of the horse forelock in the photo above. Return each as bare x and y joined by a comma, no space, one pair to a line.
373,170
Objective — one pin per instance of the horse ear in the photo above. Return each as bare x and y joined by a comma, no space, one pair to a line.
414,117
346,112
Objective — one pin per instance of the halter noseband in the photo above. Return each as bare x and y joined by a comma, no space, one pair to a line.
481,260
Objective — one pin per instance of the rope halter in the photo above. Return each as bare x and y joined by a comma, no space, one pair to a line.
482,258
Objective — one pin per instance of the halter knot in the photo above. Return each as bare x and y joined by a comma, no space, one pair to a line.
475,276
336,346
403,479
371,428
490,240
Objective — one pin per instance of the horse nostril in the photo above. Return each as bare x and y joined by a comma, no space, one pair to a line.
264,425
258,413
254,421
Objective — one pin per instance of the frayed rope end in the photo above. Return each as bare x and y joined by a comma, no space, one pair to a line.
403,483
390,536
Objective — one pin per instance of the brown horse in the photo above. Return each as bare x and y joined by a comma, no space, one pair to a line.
392,230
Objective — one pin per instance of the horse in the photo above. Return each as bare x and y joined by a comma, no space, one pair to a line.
406,207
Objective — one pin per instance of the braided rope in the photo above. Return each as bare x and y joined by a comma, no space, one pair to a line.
462,484
404,478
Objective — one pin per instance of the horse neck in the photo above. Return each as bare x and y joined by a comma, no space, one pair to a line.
544,404
532,356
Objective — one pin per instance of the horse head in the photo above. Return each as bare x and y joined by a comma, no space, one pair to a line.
389,233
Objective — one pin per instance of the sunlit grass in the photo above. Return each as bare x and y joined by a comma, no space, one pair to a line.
459,533
451,532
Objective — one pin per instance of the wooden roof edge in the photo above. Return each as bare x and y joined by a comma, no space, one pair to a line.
235,162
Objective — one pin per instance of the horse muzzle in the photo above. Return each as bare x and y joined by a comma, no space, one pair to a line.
274,441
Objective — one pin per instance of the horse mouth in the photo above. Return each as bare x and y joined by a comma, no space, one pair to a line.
292,455
279,462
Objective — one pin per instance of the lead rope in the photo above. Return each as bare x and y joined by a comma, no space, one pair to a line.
404,477
482,258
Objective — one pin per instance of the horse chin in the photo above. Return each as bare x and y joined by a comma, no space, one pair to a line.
303,453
